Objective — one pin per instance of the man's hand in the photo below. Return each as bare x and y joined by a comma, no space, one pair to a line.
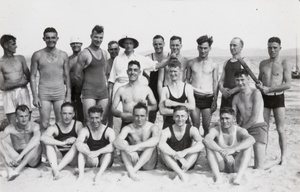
70,141
225,92
180,154
214,106
168,103
131,148
36,102
134,156
16,161
230,160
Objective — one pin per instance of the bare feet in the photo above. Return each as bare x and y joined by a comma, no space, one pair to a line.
184,177
56,175
12,174
133,176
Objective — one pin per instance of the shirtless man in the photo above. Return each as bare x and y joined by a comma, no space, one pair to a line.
53,68
175,46
175,94
275,75
158,55
249,104
132,93
180,144
95,144
75,44
90,73
137,142
228,147
25,147
59,140
202,74
227,82
14,77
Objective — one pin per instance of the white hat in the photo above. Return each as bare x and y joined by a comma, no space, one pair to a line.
75,40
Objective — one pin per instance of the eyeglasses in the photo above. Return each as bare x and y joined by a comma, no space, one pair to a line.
113,49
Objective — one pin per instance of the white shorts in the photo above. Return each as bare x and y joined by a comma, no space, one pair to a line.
15,97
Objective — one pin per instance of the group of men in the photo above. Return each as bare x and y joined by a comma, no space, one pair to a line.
133,88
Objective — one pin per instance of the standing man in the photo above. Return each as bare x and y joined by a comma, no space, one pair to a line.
95,144
25,146
137,142
158,55
53,67
175,94
228,147
14,77
132,93
227,84
249,104
180,144
75,44
175,46
90,73
275,75
59,140
202,74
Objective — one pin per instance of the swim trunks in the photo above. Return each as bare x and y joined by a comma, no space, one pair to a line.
203,101
260,132
15,97
272,102
57,93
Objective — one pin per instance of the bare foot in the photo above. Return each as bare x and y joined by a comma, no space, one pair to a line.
57,177
184,177
272,163
236,182
133,176
12,174
283,161
218,180
80,177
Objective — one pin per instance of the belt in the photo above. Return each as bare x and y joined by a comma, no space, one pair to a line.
275,93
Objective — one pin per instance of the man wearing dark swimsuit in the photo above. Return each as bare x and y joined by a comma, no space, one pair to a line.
94,144
59,139
175,94
180,144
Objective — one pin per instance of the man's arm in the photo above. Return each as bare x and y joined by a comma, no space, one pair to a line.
80,145
162,107
120,142
25,67
209,140
160,80
152,104
257,102
110,135
3,150
247,140
66,69
163,146
33,81
215,77
48,137
225,92
189,72
78,68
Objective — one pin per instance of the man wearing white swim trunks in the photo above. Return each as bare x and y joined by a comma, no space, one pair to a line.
14,77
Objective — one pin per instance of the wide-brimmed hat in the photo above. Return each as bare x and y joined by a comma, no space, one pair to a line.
75,39
135,42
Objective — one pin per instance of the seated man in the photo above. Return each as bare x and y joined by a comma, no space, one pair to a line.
25,148
59,140
228,147
94,144
137,142
180,144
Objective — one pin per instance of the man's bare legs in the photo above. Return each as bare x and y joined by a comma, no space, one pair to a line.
206,118
242,161
105,161
45,111
216,163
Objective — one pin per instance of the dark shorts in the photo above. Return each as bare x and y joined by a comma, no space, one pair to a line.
260,132
34,166
203,101
273,101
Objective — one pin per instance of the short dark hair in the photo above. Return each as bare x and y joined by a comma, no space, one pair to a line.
274,40
174,63
241,72
112,42
98,29
67,104
134,62
140,105
204,39
50,30
241,41
22,108
6,38
158,37
95,109
174,37
228,110
179,108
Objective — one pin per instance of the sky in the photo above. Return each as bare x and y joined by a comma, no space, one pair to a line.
253,20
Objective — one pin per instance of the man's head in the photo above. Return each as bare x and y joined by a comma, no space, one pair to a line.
242,78
22,115
75,44
174,69
113,49
227,118
133,70
175,44
158,43
50,37
8,43
140,113
128,43
67,112
97,35
274,46
95,115
236,46
180,115
204,45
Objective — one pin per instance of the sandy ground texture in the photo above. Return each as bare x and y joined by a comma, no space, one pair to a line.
279,178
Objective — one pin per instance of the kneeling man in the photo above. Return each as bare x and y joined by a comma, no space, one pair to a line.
137,142
25,140
59,140
94,144
180,144
228,147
